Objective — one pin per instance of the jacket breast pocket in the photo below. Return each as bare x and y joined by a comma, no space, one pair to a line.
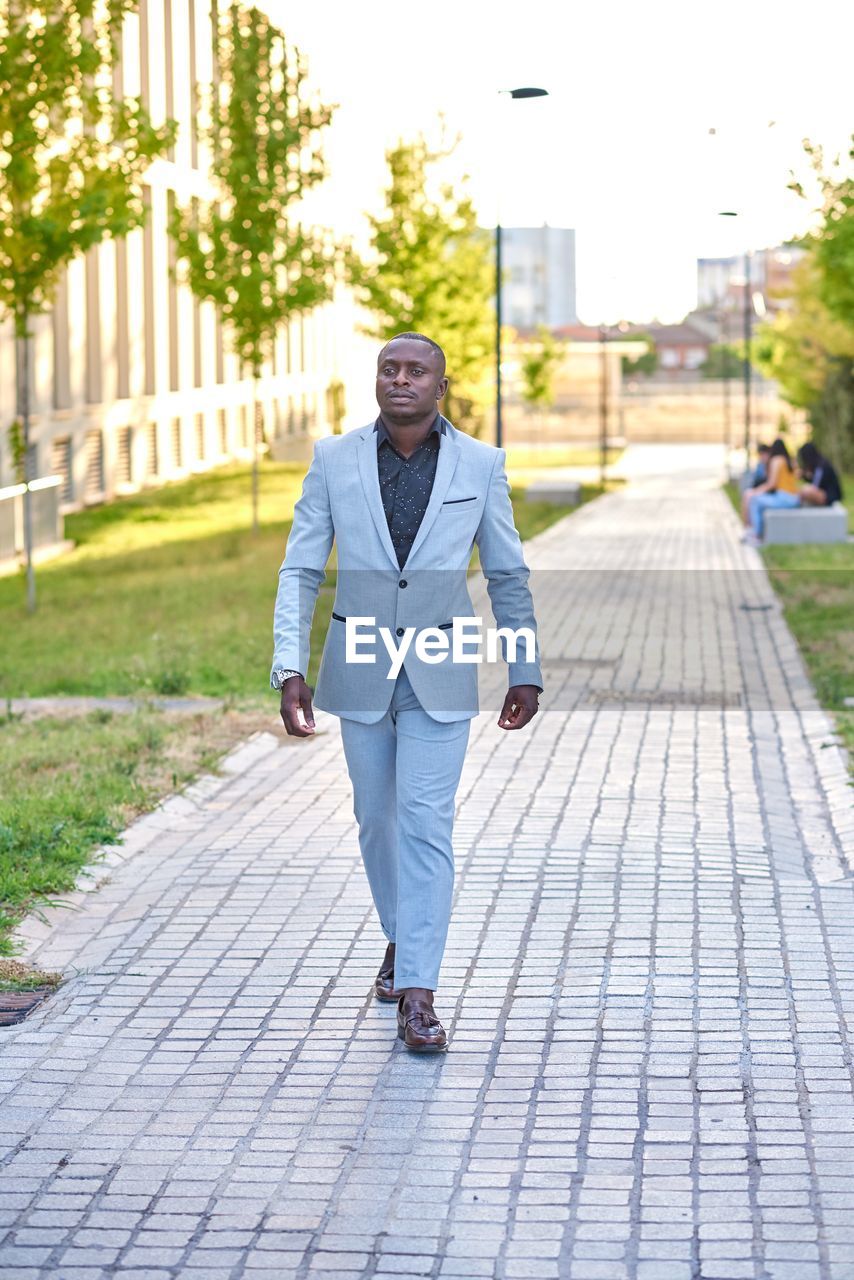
459,503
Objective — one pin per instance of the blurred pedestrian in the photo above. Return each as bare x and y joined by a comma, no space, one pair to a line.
759,476
760,471
822,486
778,490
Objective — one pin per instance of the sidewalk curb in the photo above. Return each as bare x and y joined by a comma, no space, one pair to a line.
37,927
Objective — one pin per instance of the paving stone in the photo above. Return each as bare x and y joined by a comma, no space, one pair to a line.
648,976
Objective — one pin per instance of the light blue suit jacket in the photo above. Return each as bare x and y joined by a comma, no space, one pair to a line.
469,505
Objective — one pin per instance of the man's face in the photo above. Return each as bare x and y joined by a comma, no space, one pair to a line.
410,381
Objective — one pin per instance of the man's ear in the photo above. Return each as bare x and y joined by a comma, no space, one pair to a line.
442,389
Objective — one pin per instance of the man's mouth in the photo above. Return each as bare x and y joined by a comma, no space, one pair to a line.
400,395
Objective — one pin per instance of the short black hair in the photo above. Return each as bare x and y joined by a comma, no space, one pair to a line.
763,448
418,337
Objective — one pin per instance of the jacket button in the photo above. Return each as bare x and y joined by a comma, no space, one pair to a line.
399,631
402,582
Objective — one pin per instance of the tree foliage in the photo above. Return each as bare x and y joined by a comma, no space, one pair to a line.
72,156
645,364
541,360
431,270
725,360
246,250
798,347
72,159
809,347
833,242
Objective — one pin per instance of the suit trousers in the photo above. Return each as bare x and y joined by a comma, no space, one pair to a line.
405,770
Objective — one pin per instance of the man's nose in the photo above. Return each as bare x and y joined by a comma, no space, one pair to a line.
400,378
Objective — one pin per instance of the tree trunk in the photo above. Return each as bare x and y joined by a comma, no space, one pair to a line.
23,339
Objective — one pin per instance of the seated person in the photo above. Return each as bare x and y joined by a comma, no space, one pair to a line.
760,475
780,489
822,488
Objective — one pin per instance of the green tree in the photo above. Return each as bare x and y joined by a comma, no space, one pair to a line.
809,352
431,269
246,249
833,241
645,364
540,362
725,360
809,346
72,159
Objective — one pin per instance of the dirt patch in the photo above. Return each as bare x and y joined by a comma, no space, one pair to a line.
16,976
196,744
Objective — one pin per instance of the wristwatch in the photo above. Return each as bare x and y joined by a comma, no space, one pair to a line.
280,675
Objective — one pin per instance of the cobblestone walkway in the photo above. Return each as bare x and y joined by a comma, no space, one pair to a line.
650,978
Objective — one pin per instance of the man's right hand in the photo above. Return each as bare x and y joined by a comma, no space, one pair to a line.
296,698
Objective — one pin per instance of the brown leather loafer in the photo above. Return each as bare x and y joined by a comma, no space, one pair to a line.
384,988
420,1030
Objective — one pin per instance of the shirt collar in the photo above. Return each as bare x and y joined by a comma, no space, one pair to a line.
383,436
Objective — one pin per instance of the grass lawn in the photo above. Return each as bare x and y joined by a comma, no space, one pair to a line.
167,592
816,585
522,457
72,782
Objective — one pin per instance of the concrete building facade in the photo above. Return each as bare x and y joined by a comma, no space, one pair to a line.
133,381
539,277
720,281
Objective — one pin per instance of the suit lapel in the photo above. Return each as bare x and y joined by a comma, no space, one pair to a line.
367,455
449,453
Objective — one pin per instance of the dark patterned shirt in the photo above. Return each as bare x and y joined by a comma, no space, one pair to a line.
406,484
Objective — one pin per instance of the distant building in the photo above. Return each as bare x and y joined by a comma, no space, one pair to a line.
539,277
134,381
714,278
681,348
720,281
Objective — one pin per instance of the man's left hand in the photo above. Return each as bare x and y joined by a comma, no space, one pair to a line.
520,706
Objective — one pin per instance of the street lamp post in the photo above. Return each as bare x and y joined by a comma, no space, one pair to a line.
603,405
723,338
499,432
498,320
748,337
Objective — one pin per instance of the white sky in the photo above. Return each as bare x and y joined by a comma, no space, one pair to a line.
621,148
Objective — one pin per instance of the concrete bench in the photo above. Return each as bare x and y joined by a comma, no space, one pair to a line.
807,524
560,493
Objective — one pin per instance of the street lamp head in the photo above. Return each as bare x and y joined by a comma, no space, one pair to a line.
526,93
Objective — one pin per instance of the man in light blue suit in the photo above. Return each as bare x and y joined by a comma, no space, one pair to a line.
405,500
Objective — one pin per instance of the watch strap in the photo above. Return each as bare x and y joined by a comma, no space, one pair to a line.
281,674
